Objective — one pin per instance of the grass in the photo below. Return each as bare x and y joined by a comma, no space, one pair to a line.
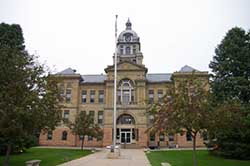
49,157
185,158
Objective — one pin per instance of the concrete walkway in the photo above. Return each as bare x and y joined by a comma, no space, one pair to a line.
129,157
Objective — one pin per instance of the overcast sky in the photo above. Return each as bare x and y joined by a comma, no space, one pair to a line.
80,33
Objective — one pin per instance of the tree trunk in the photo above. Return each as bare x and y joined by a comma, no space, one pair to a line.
194,150
7,156
82,143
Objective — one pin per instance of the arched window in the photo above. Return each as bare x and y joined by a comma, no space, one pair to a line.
125,119
126,92
128,50
64,135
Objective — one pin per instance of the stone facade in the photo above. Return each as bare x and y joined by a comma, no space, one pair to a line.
135,88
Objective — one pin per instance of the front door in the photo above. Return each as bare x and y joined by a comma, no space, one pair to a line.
125,137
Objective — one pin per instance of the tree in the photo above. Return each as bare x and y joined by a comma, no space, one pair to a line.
184,109
29,97
230,86
84,125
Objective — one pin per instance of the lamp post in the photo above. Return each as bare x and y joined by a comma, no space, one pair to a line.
115,77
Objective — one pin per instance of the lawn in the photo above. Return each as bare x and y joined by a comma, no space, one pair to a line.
49,157
184,158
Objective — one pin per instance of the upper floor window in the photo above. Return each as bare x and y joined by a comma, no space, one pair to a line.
66,115
101,96
151,120
121,49
100,117
61,89
92,116
160,94
68,95
128,50
84,96
92,96
126,92
151,96
134,49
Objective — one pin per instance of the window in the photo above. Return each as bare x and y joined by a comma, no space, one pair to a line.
92,96
101,96
151,96
68,95
125,119
134,49
161,137
128,50
61,89
49,135
160,94
152,136
188,136
64,135
92,116
84,96
204,136
126,92
151,120
171,137
100,117
90,138
84,113
121,49
66,115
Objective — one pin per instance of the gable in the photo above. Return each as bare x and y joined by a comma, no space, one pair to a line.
127,66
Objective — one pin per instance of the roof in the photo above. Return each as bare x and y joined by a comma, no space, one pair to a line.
95,78
159,77
68,71
187,68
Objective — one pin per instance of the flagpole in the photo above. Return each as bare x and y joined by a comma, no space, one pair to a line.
115,77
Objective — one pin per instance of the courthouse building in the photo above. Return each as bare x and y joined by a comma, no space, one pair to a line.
135,89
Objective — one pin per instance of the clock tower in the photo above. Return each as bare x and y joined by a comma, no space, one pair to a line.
128,46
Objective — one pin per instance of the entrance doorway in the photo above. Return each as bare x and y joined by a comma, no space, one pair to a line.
126,136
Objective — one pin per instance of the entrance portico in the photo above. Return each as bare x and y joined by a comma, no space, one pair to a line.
126,129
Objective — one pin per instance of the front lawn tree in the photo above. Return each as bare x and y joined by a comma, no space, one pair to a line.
28,96
184,109
84,125
231,84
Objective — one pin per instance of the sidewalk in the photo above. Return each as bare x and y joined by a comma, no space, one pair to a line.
129,157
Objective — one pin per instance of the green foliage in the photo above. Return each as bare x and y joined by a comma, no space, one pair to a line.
29,98
84,125
185,108
230,66
231,94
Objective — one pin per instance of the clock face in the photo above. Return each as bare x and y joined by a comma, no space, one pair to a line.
128,38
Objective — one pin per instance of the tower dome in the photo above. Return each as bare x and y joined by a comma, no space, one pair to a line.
128,46
128,35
